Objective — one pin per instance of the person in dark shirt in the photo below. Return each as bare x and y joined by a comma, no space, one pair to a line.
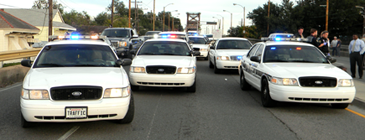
323,43
299,34
312,39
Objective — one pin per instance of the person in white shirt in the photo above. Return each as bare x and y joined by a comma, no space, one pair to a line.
334,46
356,50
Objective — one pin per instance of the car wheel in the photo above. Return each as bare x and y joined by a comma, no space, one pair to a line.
128,118
210,63
340,105
192,88
134,88
24,123
243,83
265,95
216,70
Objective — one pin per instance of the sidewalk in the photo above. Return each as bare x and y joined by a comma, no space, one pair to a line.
359,83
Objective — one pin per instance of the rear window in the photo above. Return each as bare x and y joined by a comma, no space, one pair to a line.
116,33
165,48
152,33
234,44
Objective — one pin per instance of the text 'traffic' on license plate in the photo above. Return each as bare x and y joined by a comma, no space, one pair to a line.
76,112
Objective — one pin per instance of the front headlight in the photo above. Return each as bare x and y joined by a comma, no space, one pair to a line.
122,44
35,94
223,58
203,49
345,83
284,81
117,92
155,36
186,70
137,70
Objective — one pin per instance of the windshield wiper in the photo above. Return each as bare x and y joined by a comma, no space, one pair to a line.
168,54
303,61
51,65
276,61
146,54
87,65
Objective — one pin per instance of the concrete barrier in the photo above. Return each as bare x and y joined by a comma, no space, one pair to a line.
12,74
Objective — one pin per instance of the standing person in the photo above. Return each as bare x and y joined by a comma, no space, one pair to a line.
338,46
356,49
299,34
323,43
312,39
334,46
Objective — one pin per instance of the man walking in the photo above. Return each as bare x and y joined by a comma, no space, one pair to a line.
356,49
299,34
334,46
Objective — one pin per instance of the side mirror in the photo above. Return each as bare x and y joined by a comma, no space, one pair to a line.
211,47
196,53
133,51
26,63
331,59
255,59
135,36
124,62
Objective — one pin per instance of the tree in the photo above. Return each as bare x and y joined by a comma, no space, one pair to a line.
43,4
76,18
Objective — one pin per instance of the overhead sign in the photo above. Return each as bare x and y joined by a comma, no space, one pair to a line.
137,1
211,23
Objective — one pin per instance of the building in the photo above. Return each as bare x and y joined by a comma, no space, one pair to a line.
39,19
15,34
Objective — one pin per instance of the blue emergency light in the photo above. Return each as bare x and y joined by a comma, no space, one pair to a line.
273,48
277,39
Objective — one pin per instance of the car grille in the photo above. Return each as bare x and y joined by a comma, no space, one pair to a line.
69,93
64,117
318,81
161,84
161,69
236,58
196,49
115,44
318,99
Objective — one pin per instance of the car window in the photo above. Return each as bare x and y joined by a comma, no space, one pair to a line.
292,53
76,56
116,33
197,40
165,48
253,50
259,51
234,44
152,33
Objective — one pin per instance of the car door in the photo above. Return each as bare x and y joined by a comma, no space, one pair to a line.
256,68
212,52
246,64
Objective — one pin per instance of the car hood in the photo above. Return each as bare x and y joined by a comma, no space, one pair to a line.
295,70
145,60
200,45
99,76
232,52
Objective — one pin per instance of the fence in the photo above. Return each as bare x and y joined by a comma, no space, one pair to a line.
17,54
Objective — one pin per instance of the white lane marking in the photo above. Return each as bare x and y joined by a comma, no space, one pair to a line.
12,86
153,118
69,133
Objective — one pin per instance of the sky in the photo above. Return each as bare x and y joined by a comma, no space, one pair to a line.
207,8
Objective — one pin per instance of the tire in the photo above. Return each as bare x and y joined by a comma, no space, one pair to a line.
24,123
216,70
340,105
210,64
134,88
206,58
128,118
265,95
192,88
243,83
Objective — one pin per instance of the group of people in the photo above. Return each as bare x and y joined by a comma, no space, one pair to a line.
356,47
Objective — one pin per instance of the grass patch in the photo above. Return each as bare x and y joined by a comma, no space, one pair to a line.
11,64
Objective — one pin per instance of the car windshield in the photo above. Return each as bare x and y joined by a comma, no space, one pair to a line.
234,44
76,55
152,33
209,35
116,33
197,40
165,48
290,53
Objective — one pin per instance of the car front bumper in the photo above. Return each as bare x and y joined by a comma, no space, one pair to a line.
54,111
312,95
227,64
162,80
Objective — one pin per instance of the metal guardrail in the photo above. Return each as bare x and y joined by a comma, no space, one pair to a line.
18,54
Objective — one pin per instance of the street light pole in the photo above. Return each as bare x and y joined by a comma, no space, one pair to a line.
222,23
327,16
129,19
268,16
244,16
231,16
154,15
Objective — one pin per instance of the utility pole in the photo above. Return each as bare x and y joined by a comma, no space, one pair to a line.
173,28
50,17
163,19
327,16
268,16
129,19
135,12
137,19
154,16
168,25
112,14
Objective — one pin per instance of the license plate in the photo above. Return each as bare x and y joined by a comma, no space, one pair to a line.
76,112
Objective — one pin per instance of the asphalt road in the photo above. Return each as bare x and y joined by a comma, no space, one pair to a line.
218,110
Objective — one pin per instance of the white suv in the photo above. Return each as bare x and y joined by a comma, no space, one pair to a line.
76,81
201,45
164,63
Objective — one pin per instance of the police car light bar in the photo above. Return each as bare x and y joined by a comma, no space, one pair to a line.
284,39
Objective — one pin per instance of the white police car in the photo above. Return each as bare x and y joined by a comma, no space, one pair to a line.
76,81
201,45
226,53
164,63
295,72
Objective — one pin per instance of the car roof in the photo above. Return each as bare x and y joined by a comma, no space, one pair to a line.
118,28
233,38
196,36
270,43
181,33
84,42
167,40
